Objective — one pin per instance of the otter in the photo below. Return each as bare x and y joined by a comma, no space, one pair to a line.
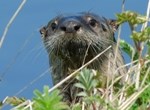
73,40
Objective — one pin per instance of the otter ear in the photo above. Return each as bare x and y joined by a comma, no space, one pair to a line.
113,23
43,31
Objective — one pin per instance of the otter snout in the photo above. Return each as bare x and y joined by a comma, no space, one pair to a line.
73,40
70,26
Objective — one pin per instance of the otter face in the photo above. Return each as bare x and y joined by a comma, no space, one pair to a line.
71,36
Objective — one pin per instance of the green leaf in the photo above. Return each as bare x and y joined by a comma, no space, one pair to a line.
141,36
38,94
127,48
82,94
48,101
93,84
131,17
80,85
148,47
86,82
1,104
77,107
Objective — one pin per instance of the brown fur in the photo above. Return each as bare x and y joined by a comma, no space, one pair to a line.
73,40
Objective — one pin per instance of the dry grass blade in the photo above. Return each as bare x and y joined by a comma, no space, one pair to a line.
131,99
119,33
67,78
145,76
147,17
21,105
75,72
10,22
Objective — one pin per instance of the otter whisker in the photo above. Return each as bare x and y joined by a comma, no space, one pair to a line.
73,41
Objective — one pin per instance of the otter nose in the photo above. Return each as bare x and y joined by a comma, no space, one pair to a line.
70,26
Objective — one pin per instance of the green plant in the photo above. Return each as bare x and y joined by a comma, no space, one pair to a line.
141,39
96,92
48,101
86,82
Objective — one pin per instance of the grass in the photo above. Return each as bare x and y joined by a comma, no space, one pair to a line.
132,94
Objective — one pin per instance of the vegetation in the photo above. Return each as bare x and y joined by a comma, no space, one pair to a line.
100,94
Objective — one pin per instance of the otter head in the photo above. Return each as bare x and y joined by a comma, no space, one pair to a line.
78,38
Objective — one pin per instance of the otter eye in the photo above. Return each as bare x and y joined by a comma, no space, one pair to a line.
53,26
93,22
